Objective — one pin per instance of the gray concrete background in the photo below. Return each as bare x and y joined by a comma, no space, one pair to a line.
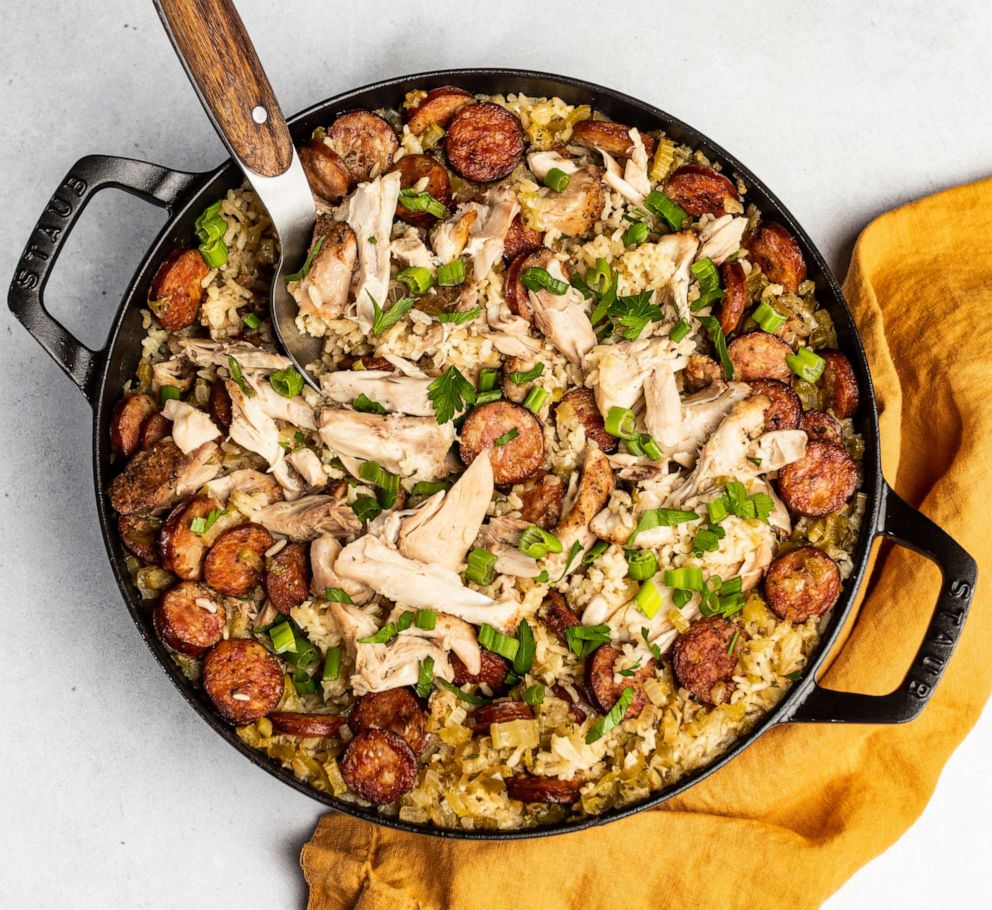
114,793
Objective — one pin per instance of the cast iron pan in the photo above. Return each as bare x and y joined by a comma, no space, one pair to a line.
100,375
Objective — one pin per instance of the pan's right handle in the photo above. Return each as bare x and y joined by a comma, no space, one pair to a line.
26,298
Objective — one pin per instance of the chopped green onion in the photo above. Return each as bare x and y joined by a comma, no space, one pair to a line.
524,659
806,364
234,368
425,619
712,326
430,487
595,551
770,319
488,377
303,682
464,696
536,279
202,525
763,506
659,205
535,399
332,663
287,383
493,640
650,447
214,253
641,564
634,446
413,201
210,231
583,640
508,436
616,714
534,695
425,677
451,273
459,317
481,566
366,508
620,422
417,279
636,234
527,375
252,321
337,596
707,540
557,179
366,405
679,331
717,510
680,598
709,283
210,213
687,578
606,301
282,637
487,397
536,542
390,630
305,270
167,392
384,319
599,277
648,599
660,518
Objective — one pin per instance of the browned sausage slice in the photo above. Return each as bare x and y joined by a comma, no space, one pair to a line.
734,296
155,429
785,409
701,190
575,710
235,561
485,142
481,719
326,173
365,143
530,789
774,250
492,672
414,168
371,362
700,372
758,355
126,422
440,105
146,485
802,583
820,482
220,405
140,536
396,710
609,136
603,691
242,679
287,577
820,425
181,547
579,406
541,499
703,657
558,616
839,384
379,766
513,460
189,618
521,239
325,726
513,288
177,290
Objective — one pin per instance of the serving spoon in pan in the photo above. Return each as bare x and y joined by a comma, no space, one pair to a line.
221,62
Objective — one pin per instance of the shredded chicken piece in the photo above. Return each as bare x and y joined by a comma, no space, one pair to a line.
169,372
635,172
721,238
699,415
309,466
199,467
594,490
576,209
409,249
324,551
449,237
293,410
353,623
371,208
614,179
288,478
501,537
206,353
309,517
541,163
323,291
563,318
251,427
250,483
191,427
681,248
662,406
395,392
485,242
618,371
772,451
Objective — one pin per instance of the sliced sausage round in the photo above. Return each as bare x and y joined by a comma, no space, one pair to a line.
513,288
700,372
701,190
785,409
541,500
365,142
220,405
379,766
609,136
579,405
181,547
177,290
703,657
372,362
155,429
414,168
839,384
128,418
492,672
802,583
603,691
292,723
287,577
531,789
140,536
189,618
575,710
520,452
396,710
521,239
774,250
440,105
145,486
820,482
821,425
235,561
758,355
481,719
734,296
326,173
558,616
242,679
485,142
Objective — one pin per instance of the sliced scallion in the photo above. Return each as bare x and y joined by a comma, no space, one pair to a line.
536,542
287,383
536,279
557,180
493,640
252,321
282,638
167,392
770,319
332,663
481,566
659,205
425,619
621,422
648,599
425,677
535,399
417,279
451,273
806,364
679,331
508,436
641,564
636,234
488,377
534,695
524,658
595,551
686,578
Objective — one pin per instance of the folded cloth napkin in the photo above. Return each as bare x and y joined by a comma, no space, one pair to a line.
790,819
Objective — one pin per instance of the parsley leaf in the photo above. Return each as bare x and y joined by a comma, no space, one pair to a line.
303,272
459,318
634,313
449,393
383,319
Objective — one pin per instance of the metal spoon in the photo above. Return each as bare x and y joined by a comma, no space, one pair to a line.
221,62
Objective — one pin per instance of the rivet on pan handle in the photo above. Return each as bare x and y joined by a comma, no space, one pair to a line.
905,525
158,185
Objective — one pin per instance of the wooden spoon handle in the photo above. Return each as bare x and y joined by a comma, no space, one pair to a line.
221,61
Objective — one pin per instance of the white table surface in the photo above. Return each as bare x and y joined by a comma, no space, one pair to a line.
114,793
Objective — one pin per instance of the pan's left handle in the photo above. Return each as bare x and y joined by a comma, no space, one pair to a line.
159,185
